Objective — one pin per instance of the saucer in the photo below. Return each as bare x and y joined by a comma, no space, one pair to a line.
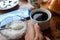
7,4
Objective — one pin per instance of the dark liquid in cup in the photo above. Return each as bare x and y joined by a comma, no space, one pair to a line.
40,16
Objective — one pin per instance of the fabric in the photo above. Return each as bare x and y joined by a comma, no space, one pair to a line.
11,16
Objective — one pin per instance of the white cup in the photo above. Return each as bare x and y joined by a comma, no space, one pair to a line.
41,22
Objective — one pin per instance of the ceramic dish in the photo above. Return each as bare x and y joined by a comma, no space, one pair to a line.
16,30
7,4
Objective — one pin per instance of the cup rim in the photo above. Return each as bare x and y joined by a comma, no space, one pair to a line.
44,10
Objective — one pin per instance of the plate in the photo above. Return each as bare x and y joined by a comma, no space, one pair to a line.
7,4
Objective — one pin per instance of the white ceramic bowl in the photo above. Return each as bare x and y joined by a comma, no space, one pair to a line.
7,4
16,30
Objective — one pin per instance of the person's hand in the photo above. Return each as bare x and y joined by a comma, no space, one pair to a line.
34,33
2,37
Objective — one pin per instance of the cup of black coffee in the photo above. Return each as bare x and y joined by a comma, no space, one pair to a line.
40,15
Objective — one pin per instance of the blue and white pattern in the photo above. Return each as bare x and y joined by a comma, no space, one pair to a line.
14,15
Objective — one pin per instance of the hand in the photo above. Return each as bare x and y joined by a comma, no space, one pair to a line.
34,33
2,37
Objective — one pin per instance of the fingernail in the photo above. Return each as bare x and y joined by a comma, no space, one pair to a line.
36,24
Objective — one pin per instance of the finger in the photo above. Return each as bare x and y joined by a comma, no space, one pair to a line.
36,31
30,27
40,36
2,37
29,24
37,27
47,38
30,32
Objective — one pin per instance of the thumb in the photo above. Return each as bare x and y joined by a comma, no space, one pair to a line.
37,27
38,32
